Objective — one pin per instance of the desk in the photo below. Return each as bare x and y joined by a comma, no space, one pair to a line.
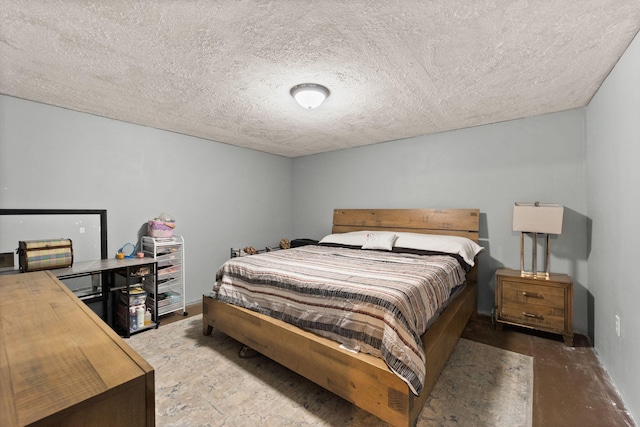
107,268
85,268
61,365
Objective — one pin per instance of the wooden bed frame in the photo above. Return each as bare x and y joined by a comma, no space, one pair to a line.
361,379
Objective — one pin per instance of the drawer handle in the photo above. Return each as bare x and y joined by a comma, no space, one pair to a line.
530,295
525,314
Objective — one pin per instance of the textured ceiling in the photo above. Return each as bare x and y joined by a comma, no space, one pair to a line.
222,70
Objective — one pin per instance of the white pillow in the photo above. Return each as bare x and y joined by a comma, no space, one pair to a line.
353,238
380,241
462,246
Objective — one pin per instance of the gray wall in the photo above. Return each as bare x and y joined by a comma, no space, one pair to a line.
613,155
220,196
489,167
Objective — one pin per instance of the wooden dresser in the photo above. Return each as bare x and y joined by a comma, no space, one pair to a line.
537,303
60,364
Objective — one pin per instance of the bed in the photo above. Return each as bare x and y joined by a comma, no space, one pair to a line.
361,378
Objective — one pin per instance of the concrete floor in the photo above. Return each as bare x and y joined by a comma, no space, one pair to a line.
570,387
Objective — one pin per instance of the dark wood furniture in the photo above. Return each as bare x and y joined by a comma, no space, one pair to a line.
536,303
360,378
60,364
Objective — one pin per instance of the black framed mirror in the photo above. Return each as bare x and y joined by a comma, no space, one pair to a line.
87,228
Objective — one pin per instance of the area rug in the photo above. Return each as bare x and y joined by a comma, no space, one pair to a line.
202,381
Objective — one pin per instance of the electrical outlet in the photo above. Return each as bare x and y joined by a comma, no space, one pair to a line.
617,325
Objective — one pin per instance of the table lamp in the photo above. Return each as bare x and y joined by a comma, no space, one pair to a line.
536,218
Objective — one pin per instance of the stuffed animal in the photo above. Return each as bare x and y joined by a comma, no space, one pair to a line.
285,244
250,250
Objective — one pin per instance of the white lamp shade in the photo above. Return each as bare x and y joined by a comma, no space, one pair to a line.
538,218
309,95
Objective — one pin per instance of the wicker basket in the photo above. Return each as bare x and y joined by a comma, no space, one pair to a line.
159,229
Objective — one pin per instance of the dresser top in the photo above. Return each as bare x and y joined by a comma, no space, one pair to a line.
55,352
553,277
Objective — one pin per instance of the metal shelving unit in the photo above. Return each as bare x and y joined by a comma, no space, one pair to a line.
166,293
128,278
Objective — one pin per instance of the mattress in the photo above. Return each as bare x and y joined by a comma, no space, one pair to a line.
376,302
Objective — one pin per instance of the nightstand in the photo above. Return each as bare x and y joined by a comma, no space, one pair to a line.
536,303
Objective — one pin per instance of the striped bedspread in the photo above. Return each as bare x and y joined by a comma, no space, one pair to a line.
370,301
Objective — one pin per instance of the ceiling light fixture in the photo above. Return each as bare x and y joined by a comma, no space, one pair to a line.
309,95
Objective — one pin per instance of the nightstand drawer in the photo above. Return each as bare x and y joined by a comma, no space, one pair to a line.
536,316
527,293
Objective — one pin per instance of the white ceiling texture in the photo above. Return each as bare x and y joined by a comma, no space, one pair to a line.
222,70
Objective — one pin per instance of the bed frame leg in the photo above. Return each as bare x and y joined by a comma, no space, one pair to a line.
206,326
206,329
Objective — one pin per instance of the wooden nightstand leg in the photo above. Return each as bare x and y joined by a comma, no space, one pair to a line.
568,339
494,319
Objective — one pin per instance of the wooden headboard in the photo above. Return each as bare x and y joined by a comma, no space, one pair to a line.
453,222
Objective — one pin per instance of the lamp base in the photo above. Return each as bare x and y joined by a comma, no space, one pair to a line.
534,258
535,275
